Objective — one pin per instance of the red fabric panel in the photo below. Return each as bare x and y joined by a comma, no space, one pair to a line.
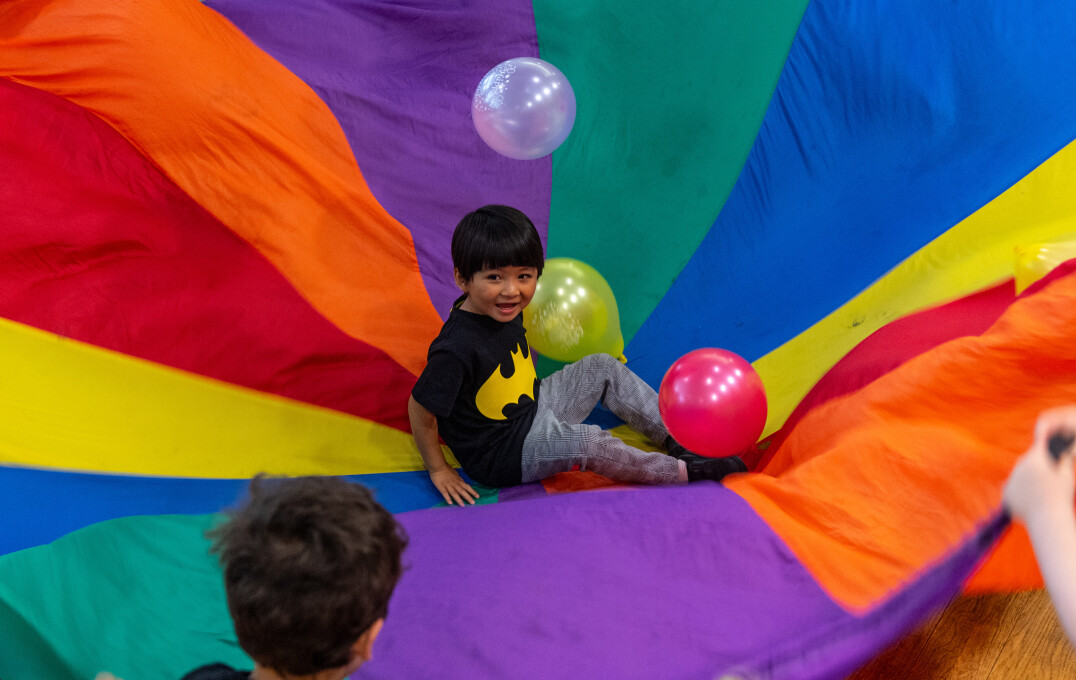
97,245
888,348
246,139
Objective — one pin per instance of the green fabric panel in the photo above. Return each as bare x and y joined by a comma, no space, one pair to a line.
487,495
24,651
545,366
71,609
670,97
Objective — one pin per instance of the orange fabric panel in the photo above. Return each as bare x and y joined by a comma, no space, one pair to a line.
1010,566
244,138
873,486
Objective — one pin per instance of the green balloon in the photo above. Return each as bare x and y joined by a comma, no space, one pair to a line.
573,313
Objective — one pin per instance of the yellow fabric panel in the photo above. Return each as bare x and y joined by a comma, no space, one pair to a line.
70,405
1036,260
974,254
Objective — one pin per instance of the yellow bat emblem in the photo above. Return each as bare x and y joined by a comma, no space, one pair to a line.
498,391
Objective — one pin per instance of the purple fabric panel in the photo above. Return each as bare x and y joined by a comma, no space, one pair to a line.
678,582
521,492
399,77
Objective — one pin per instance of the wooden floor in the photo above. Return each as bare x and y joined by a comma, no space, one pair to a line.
1013,636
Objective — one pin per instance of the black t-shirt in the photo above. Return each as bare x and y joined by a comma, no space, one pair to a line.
216,671
480,383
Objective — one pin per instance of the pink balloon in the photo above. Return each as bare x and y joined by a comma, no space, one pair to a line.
523,108
713,402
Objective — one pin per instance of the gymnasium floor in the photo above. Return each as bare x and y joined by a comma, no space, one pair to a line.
983,637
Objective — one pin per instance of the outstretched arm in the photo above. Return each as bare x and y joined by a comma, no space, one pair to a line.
1040,494
444,477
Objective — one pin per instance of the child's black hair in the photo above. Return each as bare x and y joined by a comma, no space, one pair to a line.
495,236
309,565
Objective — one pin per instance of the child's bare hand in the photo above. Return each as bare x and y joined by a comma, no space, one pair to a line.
452,487
1038,484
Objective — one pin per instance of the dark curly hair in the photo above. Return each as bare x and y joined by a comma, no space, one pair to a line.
309,565
495,236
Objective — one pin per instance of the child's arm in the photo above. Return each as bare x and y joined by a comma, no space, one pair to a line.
1040,494
444,477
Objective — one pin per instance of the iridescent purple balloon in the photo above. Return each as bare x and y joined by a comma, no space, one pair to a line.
523,108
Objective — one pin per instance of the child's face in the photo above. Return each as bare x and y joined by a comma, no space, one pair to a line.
500,293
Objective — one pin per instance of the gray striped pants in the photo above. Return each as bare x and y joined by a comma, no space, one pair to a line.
558,441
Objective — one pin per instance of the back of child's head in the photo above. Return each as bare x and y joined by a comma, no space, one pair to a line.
309,565
495,236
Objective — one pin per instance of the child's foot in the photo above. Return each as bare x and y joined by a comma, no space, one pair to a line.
714,469
677,450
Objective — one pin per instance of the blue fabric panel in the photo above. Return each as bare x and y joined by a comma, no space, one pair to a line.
39,506
892,122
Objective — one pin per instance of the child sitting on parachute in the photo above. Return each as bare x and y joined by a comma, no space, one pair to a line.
479,390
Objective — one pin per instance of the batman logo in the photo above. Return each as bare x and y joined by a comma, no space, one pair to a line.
498,391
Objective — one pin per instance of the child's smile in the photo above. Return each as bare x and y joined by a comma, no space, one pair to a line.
499,293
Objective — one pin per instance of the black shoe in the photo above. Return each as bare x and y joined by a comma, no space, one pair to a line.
714,469
677,450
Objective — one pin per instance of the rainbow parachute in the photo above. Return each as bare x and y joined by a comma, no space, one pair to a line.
224,250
